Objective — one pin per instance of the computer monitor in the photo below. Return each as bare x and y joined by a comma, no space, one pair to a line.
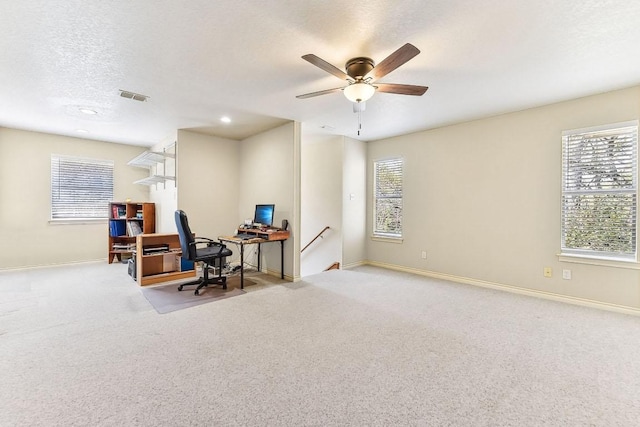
264,215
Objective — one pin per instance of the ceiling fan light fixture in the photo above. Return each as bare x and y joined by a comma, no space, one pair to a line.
359,92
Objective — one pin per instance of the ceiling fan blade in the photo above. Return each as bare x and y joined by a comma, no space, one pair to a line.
321,92
393,61
401,89
321,63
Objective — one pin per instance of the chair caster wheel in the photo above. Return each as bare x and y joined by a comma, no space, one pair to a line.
180,287
225,287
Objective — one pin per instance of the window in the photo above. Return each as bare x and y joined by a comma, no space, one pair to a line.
387,196
599,191
80,188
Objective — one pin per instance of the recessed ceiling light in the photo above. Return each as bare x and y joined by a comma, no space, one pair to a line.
225,119
82,131
88,111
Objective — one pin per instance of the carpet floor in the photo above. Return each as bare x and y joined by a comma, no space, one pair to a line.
81,346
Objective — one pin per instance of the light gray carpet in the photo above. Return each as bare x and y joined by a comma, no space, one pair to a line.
81,346
167,298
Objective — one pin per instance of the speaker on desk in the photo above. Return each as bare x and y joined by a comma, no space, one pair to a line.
285,224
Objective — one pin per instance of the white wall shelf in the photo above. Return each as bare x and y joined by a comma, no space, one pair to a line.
155,179
150,160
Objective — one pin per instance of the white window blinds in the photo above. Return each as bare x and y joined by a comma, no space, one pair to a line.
599,191
80,188
388,198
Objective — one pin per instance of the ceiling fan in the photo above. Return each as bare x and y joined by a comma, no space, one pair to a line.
362,73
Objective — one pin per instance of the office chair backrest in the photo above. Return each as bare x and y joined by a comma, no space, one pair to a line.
186,236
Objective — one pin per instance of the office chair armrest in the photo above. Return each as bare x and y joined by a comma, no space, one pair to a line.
202,240
209,242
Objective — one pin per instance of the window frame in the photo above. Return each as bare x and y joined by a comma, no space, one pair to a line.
93,210
386,235
582,255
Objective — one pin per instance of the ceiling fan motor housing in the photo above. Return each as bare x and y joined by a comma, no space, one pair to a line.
357,68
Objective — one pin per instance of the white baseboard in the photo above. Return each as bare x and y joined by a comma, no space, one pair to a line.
276,273
513,289
353,265
60,264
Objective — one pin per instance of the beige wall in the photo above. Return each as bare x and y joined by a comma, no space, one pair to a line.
207,175
321,200
165,195
354,202
27,238
483,199
269,173
333,194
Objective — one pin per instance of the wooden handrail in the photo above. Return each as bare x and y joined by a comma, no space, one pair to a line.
334,266
315,238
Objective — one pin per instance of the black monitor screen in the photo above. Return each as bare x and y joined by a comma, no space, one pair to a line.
264,215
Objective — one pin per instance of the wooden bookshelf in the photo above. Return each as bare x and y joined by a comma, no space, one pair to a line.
159,267
126,221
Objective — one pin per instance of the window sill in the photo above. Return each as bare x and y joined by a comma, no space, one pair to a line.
603,262
388,239
80,221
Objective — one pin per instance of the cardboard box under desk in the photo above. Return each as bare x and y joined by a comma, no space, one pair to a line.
169,261
159,263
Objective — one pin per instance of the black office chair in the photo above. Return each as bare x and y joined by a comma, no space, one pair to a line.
208,254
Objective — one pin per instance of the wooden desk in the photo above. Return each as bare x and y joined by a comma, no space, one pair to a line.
261,236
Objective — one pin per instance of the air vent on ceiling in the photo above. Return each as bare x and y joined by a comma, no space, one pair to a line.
132,95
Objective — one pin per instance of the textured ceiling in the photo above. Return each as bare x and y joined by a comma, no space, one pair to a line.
201,60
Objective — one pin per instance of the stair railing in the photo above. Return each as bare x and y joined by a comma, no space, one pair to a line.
316,238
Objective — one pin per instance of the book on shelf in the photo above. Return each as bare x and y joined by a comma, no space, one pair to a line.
133,228
117,228
118,211
124,244
129,247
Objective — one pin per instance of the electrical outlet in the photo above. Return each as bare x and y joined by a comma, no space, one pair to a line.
423,255
547,272
566,274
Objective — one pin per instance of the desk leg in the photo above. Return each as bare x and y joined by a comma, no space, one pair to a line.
282,259
241,266
259,258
